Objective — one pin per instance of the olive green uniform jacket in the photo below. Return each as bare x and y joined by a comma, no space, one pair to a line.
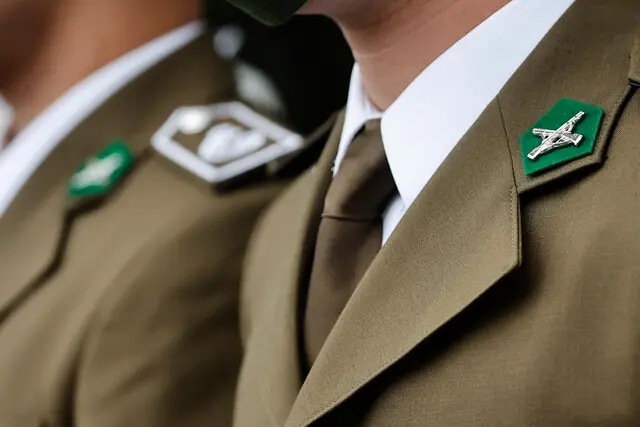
122,311
501,299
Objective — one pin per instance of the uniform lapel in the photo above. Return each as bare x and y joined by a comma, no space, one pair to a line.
38,223
457,240
462,235
279,357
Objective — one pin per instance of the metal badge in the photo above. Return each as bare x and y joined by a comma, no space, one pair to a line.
232,140
561,137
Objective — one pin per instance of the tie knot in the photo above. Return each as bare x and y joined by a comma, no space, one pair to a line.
364,183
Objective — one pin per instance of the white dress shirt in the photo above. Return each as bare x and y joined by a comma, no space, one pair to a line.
436,110
21,158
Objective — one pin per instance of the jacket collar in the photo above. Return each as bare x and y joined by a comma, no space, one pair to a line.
455,242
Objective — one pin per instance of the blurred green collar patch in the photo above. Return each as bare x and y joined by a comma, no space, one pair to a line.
99,175
270,12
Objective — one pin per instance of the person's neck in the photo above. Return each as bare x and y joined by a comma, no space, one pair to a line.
78,41
400,38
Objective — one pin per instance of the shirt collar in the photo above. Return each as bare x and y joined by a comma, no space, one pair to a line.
435,111
359,111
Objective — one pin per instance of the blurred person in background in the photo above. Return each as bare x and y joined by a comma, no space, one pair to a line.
465,252
131,173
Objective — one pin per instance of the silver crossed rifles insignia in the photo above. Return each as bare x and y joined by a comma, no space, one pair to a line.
561,137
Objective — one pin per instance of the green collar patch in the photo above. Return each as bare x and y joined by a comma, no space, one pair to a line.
98,175
566,132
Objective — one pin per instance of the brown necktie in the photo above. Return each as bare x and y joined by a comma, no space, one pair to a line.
349,236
